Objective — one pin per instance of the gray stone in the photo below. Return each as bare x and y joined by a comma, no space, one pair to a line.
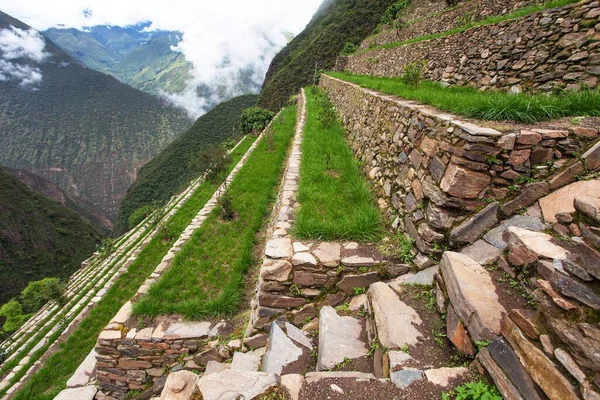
180,385
245,362
338,339
358,302
349,282
482,252
84,372
393,318
495,236
298,336
214,367
275,270
472,293
229,384
538,244
404,378
281,351
279,248
398,359
424,277
571,288
81,393
588,205
188,330
357,261
304,260
293,383
473,228
329,254
567,361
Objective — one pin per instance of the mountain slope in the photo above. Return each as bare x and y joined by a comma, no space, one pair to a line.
141,59
169,172
38,237
81,129
335,23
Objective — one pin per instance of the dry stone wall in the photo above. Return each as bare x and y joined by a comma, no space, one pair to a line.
431,169
445,19
556,48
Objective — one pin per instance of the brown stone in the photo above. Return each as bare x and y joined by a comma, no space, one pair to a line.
541,155
309,311
518,157
527,322
556,298
588,205
257,341
349,282
542,370
561,200
332,299
473,228
125,363
304,278
552,133
463,183
457,334
567,176
569,287
584,132
529,195
592,157
272,300
529,137
504,385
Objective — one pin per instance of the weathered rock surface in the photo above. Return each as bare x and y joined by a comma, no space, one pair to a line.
398,359
214,367
444,376
571,288
245,362
188,330
230,384
503,384
80,393
84,372
349,282
462,182
562,200
281,351
457,334
495,235
180,385
473,228
527,246
482,252
338,339
329,254
298,336
304,260
276,270
588,205
293,383
424,277
395,321
529,195
279,248
404,378
472,294
357,261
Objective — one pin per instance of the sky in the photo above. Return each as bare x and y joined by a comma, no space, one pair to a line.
220,37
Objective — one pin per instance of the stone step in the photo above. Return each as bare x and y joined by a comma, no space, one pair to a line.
339,339
281,351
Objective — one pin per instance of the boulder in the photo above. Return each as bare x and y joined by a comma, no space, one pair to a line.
542,370
281,351
562,200
588,205
473,228
395,321
180,385
339,338
472,294
231,384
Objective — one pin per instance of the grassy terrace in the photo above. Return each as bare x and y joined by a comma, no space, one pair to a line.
59,367
207,275
335,200
491,20
492,105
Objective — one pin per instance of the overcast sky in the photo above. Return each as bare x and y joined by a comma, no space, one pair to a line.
243,32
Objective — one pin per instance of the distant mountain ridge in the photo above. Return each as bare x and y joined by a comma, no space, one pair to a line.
79,128
134,55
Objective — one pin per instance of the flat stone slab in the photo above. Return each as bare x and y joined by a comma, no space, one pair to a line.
245,362
275,270
424,278
84,372
304,260
473,228
230,384
494,236
298,336
214,367
444,376
279,248
188,330
404,378
281,351
588,205
561,201
357,261
393,318
472,294
329,254
398,359
312,377
338,339
482,252
349,282
81,393
538,243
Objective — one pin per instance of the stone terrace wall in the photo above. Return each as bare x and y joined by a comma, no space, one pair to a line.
449,18
556,48
431,169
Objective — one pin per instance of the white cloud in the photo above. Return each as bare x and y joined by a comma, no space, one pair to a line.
220,38
25,45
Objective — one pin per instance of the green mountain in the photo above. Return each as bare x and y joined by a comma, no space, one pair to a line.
79,128
39,237
141,59
170,171
335,23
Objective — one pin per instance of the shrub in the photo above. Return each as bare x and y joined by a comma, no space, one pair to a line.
213,161
229,144
226,206
255,119
413,73
392,11
139,215
349,48
38,293
327,115
107,247
13,312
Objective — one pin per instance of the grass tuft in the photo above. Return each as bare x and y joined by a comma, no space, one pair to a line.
492,105
335,199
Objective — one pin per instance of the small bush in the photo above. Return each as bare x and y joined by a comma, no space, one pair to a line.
38,293
392,11
226,206
413,73
107,247
317,77
255,119
139,215
327,115
213,161
13,312
167,232
473,391
349,48
229,144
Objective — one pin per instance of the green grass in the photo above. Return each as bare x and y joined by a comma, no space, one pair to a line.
59,367
491,20
335,199
207,275
492,105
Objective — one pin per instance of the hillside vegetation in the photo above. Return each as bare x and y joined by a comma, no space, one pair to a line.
82,129
336,23
39,237
174,167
